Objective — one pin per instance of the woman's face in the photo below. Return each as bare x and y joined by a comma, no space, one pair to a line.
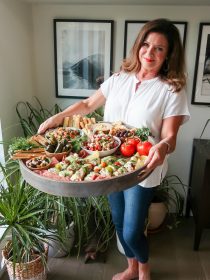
153,52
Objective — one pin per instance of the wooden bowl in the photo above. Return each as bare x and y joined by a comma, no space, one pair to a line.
39,167
58,156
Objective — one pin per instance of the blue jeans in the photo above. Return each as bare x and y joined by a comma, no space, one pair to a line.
129,211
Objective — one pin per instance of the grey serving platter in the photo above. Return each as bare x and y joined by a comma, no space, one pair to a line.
84,188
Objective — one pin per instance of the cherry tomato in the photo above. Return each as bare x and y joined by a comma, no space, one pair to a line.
143,148
133,141
127,150
98,147
103,164
117,163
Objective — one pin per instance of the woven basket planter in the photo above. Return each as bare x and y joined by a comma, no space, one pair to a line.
33,270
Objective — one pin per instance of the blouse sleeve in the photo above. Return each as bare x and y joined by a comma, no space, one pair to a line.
176,105
108,85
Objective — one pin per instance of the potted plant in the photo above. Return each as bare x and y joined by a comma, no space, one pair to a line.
93,225
101,228
21,206
167,202
56,217
58,220
31,116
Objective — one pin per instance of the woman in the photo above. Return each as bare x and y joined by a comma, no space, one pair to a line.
147,92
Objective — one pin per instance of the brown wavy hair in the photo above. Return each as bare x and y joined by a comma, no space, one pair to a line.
173,69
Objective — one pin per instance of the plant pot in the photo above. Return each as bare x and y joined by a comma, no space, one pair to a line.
156,216
33,270
57,249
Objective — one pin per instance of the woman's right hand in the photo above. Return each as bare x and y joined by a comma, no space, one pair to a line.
51,122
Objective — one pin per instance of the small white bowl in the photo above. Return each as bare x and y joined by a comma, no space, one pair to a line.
107,152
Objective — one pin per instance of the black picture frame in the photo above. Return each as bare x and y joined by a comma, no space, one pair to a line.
201,81
132,27
83,51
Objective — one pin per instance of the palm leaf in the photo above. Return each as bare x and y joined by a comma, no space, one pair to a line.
32,116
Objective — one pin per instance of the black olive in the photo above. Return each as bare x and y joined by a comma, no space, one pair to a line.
65,141
50,148
67,148
53,141
59,148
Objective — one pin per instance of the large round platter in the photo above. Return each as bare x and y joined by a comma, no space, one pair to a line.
84,188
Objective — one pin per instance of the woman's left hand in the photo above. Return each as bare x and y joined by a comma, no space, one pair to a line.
169,130
156,155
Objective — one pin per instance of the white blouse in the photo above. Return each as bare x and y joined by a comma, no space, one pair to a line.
147,106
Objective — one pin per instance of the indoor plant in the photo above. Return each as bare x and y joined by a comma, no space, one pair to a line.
167,202
21,206
31,116
58,220
93,225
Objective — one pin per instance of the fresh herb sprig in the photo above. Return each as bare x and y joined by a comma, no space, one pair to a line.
143,133
77,143
98,114
20,143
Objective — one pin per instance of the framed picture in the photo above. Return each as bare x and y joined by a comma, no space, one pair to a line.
201,82
83,56
133,27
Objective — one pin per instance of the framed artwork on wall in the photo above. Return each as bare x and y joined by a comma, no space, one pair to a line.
201,82
132,28
83,56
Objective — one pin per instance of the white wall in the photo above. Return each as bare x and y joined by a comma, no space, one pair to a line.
16,81
43,16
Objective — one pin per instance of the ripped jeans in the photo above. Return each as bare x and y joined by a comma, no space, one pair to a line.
129,211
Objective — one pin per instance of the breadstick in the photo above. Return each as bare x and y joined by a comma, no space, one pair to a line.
70,121
81,125
66,121
93,120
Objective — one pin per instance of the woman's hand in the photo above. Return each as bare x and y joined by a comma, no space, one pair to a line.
156,155
169,130
52,122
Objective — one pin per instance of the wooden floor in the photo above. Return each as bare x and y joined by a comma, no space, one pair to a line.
172,258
